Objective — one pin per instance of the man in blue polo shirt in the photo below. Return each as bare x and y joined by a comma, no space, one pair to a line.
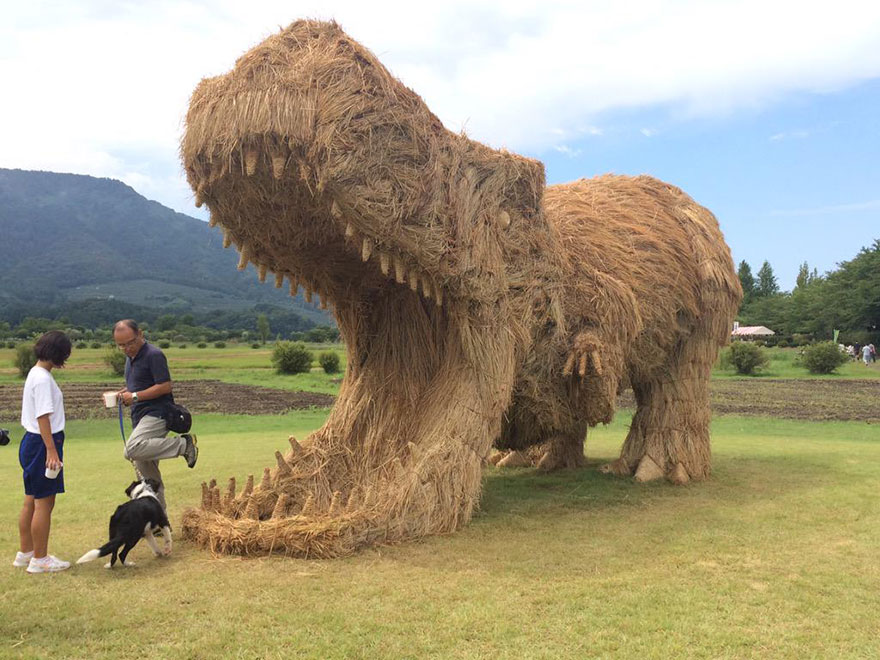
148,391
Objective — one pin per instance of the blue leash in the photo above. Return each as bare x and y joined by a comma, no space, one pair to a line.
121,423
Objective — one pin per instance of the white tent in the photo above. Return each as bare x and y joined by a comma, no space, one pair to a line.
750,331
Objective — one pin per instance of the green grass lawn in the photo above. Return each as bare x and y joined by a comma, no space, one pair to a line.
775,556
783,364
239,363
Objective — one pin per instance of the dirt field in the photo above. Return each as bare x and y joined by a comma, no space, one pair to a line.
792,399
843,400
83,400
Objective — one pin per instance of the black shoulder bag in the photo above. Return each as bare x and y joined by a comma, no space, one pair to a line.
178,418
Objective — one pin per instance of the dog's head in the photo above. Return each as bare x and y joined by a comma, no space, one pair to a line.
141,488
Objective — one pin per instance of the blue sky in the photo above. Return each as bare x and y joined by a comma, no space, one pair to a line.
765,111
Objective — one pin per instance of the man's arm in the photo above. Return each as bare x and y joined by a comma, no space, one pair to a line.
152,392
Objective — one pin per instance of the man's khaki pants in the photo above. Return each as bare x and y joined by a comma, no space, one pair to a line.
148,444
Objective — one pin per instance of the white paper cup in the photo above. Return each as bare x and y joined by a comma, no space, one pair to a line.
109,399
52,474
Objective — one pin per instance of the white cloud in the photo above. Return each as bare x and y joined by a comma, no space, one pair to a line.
101,87
648,132
567,151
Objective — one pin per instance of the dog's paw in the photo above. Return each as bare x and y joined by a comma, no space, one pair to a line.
166,552
108,565
129,564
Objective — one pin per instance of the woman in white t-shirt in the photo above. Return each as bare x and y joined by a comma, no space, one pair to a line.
41,449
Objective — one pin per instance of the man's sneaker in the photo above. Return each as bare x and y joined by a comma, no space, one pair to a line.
191,451
47,564
22,559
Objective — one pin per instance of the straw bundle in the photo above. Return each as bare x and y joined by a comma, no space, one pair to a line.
473,308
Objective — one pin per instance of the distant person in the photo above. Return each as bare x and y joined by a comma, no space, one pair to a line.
858,351
873,352
148,391
866,354
42,451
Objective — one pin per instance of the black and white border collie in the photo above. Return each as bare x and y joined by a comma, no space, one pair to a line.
132,521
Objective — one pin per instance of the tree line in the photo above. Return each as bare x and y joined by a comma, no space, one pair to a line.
846,299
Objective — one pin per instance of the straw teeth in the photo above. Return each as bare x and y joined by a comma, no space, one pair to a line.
249,486
309,294
230,489
293,285
283,466
278,166
281,506
367,249
243,260
250,161
308,506
336,504
266,483
413,280
335,211
227,239
349,230
399,271
261,272
296,450
384,262
279,280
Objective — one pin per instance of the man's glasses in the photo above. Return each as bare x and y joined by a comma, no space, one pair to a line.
127,344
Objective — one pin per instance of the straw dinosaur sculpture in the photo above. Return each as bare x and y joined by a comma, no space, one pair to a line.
477,305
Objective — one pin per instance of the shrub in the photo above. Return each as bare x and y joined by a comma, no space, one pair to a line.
182,346
115,359
96,344
329,361
219,344
744,357
81,344
164,344
823,358
10,344
255,345
25,358
290,358
201,344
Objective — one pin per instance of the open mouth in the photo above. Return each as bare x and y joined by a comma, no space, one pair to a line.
327,174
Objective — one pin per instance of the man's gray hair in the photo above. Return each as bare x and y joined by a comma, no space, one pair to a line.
127,323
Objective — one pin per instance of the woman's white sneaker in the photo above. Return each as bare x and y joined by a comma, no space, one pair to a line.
22,559
48,564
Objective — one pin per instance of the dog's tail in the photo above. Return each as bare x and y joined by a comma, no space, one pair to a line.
103,551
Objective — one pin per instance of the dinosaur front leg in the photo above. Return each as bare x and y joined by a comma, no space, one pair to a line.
669,435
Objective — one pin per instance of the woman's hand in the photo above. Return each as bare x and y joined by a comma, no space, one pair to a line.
52,460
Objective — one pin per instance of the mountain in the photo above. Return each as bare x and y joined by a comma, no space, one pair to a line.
70,242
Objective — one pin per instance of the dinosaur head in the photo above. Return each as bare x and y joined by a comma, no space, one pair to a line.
322,168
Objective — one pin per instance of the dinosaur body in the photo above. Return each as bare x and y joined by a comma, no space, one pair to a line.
476,306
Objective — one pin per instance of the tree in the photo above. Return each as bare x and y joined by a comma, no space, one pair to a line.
263,327
767,284
746,279
804,277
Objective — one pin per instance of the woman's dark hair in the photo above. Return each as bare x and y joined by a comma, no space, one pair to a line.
54,347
